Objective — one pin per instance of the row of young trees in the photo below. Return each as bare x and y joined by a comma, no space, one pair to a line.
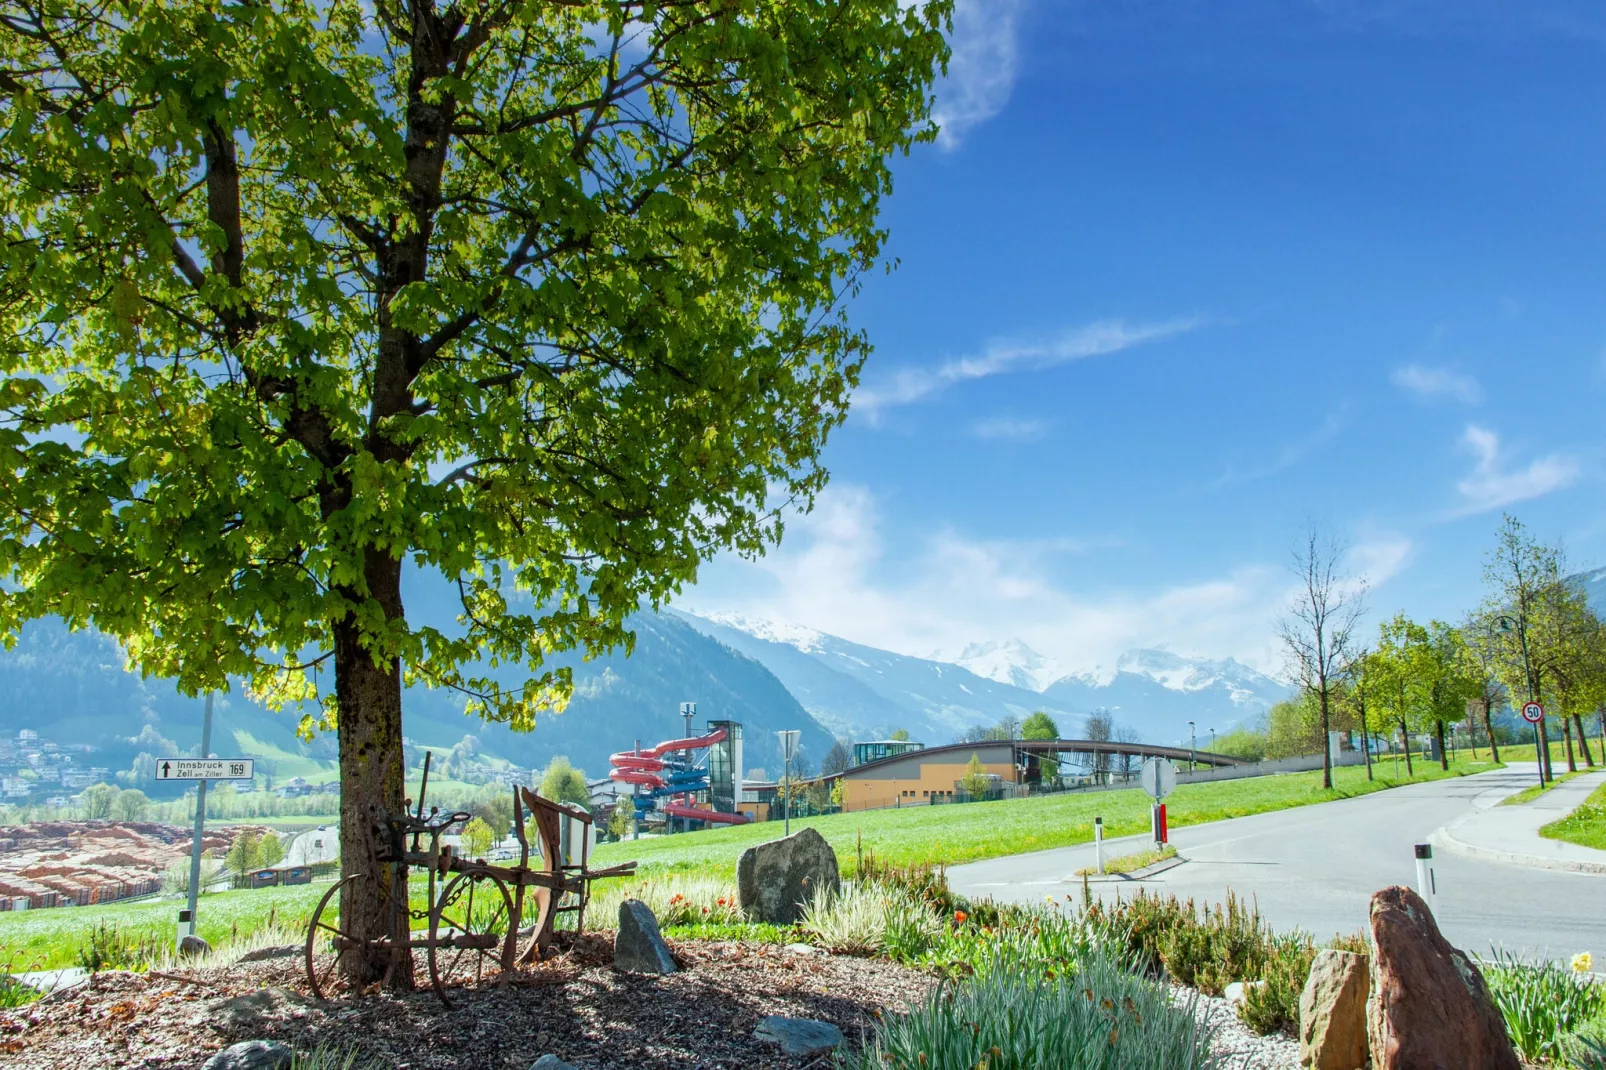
1534,638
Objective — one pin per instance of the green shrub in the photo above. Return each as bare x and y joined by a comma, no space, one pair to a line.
864,918
1035,941
111,948
1101,1017
1206,948
1544,1003
1587,1050
1273,1005
925,881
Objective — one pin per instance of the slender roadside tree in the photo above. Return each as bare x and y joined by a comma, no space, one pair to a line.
1483,647
1566,642
1359,682
540,303
1318,631
1518,571
1398,686
1440,665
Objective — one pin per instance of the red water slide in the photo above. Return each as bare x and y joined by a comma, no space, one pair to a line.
649,760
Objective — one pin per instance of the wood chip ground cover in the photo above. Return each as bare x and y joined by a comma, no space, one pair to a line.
575,1006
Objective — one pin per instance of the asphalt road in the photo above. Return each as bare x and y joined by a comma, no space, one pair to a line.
1316,867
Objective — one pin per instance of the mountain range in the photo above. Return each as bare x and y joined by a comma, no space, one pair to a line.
73,687
863,692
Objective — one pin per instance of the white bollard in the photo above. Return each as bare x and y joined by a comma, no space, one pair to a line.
1098,844
1426,886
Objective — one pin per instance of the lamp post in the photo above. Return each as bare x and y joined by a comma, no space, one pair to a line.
1212,741
1193,746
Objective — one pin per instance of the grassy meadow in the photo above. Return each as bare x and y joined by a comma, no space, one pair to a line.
952,834
1585,826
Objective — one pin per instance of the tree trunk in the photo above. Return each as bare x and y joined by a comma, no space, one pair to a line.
1567,735
1366,744
1488,728
372,783
1583,740
1327,744
1543,756
1444,755
1405,737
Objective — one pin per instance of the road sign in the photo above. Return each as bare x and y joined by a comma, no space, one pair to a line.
1532,712
789,740
204,769
1159,778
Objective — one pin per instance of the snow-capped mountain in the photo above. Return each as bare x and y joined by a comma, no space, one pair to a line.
861,692
1010,662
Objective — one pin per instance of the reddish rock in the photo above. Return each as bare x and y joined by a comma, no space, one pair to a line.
1429,1007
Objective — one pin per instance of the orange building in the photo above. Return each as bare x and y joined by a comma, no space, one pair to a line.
914,778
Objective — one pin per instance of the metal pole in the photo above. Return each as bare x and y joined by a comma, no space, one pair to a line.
1541,749
1193,746
786,799
1098,843
200,824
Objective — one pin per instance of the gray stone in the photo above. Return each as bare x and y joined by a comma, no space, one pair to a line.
263,954
774,880
803,949
639,947
1332,1012
550,1062
799,1036
252,1055
193,946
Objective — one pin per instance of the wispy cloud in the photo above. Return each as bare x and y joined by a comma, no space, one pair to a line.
1437,383
1284,459
1011,429
1491,486
842,572
1096,339
982,68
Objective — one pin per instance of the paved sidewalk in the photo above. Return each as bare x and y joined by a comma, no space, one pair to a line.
1511,833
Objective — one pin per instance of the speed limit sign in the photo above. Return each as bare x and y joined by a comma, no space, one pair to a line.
1532,712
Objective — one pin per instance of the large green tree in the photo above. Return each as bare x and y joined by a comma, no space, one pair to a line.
543,300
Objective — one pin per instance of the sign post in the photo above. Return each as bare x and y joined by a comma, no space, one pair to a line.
1533,713
203,769
1159,779
1098,844
789,738
186,925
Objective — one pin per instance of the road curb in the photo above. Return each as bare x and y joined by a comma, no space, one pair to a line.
1136,875
1447,840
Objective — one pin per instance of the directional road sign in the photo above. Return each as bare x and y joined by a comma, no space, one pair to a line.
1159,778
789,743
203,769
1532,712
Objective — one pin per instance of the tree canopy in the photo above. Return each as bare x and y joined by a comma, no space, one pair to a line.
542,301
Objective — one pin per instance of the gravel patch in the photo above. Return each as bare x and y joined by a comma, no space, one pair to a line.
1235,1044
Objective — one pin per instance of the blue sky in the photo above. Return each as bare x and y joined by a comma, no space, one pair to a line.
1182,276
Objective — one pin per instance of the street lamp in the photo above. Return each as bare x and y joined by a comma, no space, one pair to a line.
1193,746
789,739
1212,741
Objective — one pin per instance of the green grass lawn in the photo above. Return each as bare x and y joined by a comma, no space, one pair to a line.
44,939
1585,826
1530,794
966,833
1524,752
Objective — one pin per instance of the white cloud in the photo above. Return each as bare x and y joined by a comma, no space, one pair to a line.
1437,383
1010,429
1491,486
982,68
1284,459
908,385
944,591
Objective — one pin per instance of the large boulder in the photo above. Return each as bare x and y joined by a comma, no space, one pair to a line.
1429,1008
1332,1012
775,879
639,947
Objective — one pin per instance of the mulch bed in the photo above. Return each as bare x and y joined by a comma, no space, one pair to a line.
575,1006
